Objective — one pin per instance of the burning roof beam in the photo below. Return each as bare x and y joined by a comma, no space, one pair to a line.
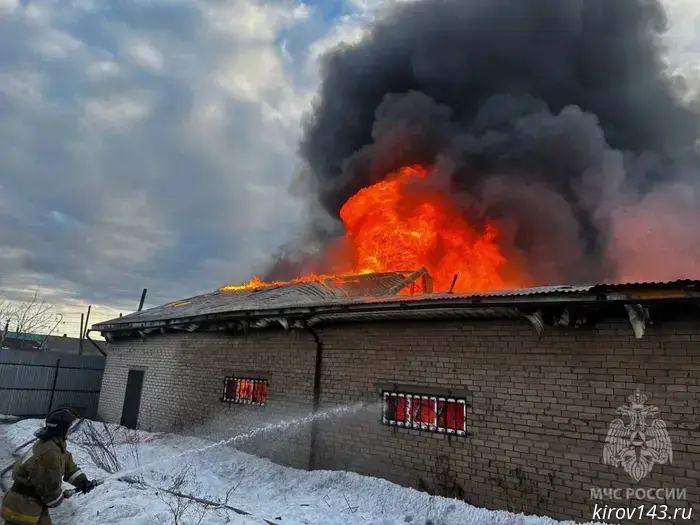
422,272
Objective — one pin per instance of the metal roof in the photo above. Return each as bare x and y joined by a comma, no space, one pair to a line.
369,296
688,283
516,292
274,297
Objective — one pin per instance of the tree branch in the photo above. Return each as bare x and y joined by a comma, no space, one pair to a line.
31,316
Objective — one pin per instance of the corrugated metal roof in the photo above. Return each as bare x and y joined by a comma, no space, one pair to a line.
370,290
565,288
293,294
562,289
535,290
650,284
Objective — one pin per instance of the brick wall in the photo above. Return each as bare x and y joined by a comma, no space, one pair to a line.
183,384
540,409
539,414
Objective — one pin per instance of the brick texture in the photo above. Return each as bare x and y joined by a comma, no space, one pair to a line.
183,383
539,414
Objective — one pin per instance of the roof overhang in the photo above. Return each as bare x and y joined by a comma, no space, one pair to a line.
397,309
373,297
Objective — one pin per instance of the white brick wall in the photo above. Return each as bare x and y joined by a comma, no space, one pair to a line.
183,383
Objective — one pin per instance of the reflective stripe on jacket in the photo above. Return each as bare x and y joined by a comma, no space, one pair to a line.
22,510
44,467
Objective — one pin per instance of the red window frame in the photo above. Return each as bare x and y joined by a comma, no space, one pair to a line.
440,414
245,391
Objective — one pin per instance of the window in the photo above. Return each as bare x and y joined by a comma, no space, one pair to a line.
245,391
442,414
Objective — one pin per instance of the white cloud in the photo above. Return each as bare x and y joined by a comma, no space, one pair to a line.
348,31
253,75
22,85
55,45
208,114
147,55
161,139
7,6
117,112
248,21
102,69
124,240
683,44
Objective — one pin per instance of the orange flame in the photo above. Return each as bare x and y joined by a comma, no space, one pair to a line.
403,224
256,283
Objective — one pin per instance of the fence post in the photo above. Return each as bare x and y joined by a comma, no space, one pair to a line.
53,387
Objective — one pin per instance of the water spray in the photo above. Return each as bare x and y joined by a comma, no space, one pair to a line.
281,425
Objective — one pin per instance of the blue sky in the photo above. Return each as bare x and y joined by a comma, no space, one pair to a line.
149,143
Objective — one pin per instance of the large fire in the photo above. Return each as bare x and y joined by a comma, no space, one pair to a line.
403,224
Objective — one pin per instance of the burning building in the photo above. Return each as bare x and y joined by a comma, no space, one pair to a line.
504,399
462,160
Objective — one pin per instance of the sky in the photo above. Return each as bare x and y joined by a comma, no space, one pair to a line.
151,143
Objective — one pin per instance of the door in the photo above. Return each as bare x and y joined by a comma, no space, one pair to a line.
132,399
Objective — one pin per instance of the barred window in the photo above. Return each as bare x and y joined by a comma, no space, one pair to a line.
441,414
245,391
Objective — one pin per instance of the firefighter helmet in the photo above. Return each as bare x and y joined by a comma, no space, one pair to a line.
59,421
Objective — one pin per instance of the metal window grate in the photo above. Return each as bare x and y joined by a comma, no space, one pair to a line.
440,414
245,391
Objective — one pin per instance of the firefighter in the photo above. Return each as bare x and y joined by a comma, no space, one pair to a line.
39,475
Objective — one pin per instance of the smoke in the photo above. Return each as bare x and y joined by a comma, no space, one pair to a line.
552,119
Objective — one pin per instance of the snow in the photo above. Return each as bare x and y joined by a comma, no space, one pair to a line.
262,489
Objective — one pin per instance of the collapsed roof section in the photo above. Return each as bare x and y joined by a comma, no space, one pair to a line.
284,296
374,297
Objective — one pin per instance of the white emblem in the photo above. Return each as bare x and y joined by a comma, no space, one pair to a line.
639,444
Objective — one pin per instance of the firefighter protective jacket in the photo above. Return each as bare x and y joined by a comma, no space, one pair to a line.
43,468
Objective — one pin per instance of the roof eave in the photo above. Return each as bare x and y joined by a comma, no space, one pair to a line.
302,312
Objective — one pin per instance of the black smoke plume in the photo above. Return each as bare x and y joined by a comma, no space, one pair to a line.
553,119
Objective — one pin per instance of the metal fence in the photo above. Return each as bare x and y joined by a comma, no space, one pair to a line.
33,383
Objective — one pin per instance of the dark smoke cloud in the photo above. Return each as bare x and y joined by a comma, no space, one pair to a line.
552,118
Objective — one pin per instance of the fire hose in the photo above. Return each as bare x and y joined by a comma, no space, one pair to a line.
205,502
72,492
67,494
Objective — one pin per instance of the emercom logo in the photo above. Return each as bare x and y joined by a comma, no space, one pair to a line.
638,438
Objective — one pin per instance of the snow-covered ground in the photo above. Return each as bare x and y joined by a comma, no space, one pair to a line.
268,493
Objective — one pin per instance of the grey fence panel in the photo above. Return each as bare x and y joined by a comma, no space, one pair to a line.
24,403
77,379
33,383
18,377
